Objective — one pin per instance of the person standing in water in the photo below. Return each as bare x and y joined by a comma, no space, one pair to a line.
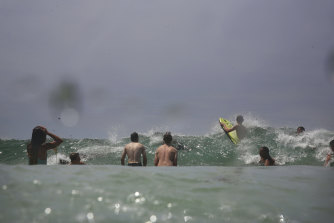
241,130
266,159
134,150
166,155
37,148
329,156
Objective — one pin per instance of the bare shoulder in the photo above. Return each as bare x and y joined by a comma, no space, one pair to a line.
173,149
142,146
160,148
126,147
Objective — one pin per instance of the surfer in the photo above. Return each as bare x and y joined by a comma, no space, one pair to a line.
329,156
300,130
134,150
240,129
75,159
266,159
166,155
37,148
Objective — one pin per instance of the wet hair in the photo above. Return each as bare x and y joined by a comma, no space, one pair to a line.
37,139
134,137
264,153
301,129
331,144
168,137
74,156
240,119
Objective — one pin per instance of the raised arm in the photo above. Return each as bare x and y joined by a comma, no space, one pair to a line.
57,140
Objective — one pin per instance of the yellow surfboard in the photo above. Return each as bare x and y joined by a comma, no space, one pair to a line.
231,135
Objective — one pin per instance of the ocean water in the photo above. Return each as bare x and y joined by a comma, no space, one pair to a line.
213,149
215,181
108,193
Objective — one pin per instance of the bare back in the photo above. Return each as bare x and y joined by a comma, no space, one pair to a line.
42,150
241,131
134,150
165,156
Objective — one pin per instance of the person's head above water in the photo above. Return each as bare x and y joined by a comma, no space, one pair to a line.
300,129
74,157
38,136
331,144
134,137
240,119
264,153
168,138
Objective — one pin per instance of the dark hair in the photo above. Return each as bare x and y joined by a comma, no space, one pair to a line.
134,137
168,137
240,119
301,128
37,139
264,153
331,144
74,156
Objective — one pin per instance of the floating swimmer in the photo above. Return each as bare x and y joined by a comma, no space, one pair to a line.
75,159
329,156
300,130
266,159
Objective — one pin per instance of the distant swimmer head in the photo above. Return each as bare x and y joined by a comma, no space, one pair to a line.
168,138
74,157
38,136
134,137
264,152
331,144
240,119
300,129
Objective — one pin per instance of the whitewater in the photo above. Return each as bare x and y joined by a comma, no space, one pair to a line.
215,181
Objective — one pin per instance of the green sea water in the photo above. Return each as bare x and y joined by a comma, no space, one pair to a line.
215,181
107,193
213,149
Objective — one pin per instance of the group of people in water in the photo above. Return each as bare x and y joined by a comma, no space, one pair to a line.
165,155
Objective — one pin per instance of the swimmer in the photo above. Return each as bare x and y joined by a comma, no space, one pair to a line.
266,159
37,148
329,156
166,155
241,130
75,159
134,151
300,130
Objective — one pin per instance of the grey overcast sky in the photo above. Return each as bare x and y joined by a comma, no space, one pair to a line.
100,68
